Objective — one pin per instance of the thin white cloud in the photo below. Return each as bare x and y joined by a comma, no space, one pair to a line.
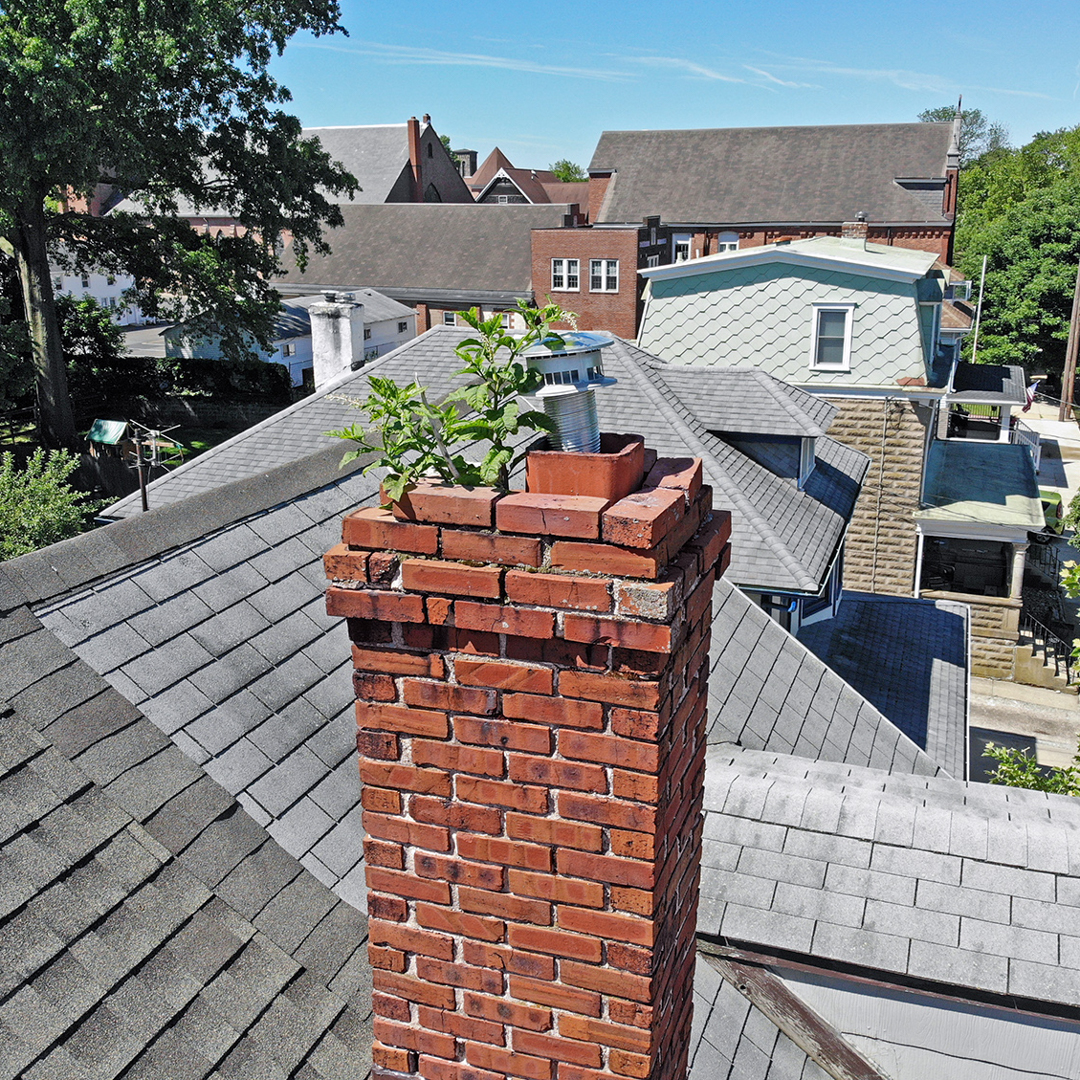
405,54
782,82
688,66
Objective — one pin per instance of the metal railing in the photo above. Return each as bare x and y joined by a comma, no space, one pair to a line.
1022,435
1055,650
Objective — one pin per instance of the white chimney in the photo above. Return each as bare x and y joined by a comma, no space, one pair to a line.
337,336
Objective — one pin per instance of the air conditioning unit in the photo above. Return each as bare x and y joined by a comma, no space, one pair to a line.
958,290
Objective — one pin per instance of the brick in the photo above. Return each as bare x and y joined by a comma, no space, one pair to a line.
635,724
382,745
531,799
414,1038
566,834
711,539
558,711
341,564
412,989
606,559
635,694
576,776
558,590
431,575
564,654
555,942
606,926
575,1072
474,874
615,871
438,971
606,1034
395,662
504,733
379,716
464,1027
440,610
380,801
459,759
508,1012
618,813
372,604
504,676
382,853
631,1013
387,959
556,1048
610,750
479,927
682,473
503,906
410,940
531,965
403,884
556,889
487,548
644,519
393,1007
376,529
392,908
570,999
638,901
396,1060
449,698
501,619
473,642
633,845
629,634
447,504
606,980
551,515
626,1064
404,777
369,631
455,815
437,1069
403,831
382,569
647,600
507,852
640,961
373,687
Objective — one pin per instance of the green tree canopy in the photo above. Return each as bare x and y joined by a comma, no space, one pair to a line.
171,100
568,172
978,134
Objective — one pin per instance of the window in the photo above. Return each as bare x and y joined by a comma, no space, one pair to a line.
402,327
430,151
603,275
502,200
111,279
507,320
86,281
57,284
367,333
652,260
565,275
727,241
681,247
449,318
288,349
830,347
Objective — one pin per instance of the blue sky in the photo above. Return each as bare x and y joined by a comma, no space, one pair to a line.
542,82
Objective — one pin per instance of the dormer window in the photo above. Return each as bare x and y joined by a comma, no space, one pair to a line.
807,447
830,344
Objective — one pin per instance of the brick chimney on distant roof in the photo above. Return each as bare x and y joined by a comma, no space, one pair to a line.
531,674
414,158
855,232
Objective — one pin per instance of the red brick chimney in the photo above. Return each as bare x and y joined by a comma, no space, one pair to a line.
531,679
414,160
855,231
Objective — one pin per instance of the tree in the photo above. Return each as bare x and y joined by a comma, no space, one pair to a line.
978,134
171,99
38,505
1017,768
568,172
445,140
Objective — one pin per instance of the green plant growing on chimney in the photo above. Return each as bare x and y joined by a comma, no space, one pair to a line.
415,440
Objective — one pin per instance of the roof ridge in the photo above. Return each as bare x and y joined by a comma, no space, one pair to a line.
773,386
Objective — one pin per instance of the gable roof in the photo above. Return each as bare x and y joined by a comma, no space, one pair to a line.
481,251
374,153
787,175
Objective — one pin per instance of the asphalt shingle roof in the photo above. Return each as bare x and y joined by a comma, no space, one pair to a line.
777,174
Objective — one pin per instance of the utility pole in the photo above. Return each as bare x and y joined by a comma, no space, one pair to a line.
1068,380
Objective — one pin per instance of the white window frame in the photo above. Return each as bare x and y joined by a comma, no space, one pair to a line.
288,348
403,326
849,319
607,270
727,241
652,260
680,240
449,318
566,271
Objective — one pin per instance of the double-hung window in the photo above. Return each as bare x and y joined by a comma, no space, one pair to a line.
830,343
603,275
565,275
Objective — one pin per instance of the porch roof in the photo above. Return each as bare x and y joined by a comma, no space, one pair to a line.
989,384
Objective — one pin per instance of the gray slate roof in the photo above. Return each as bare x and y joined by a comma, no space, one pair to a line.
375,154
295,317
777,174
415,249
969,885
909,658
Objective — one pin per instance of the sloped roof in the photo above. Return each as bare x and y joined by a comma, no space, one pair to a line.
777,174
483,176
374,153
459,248
295,317
1000,384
